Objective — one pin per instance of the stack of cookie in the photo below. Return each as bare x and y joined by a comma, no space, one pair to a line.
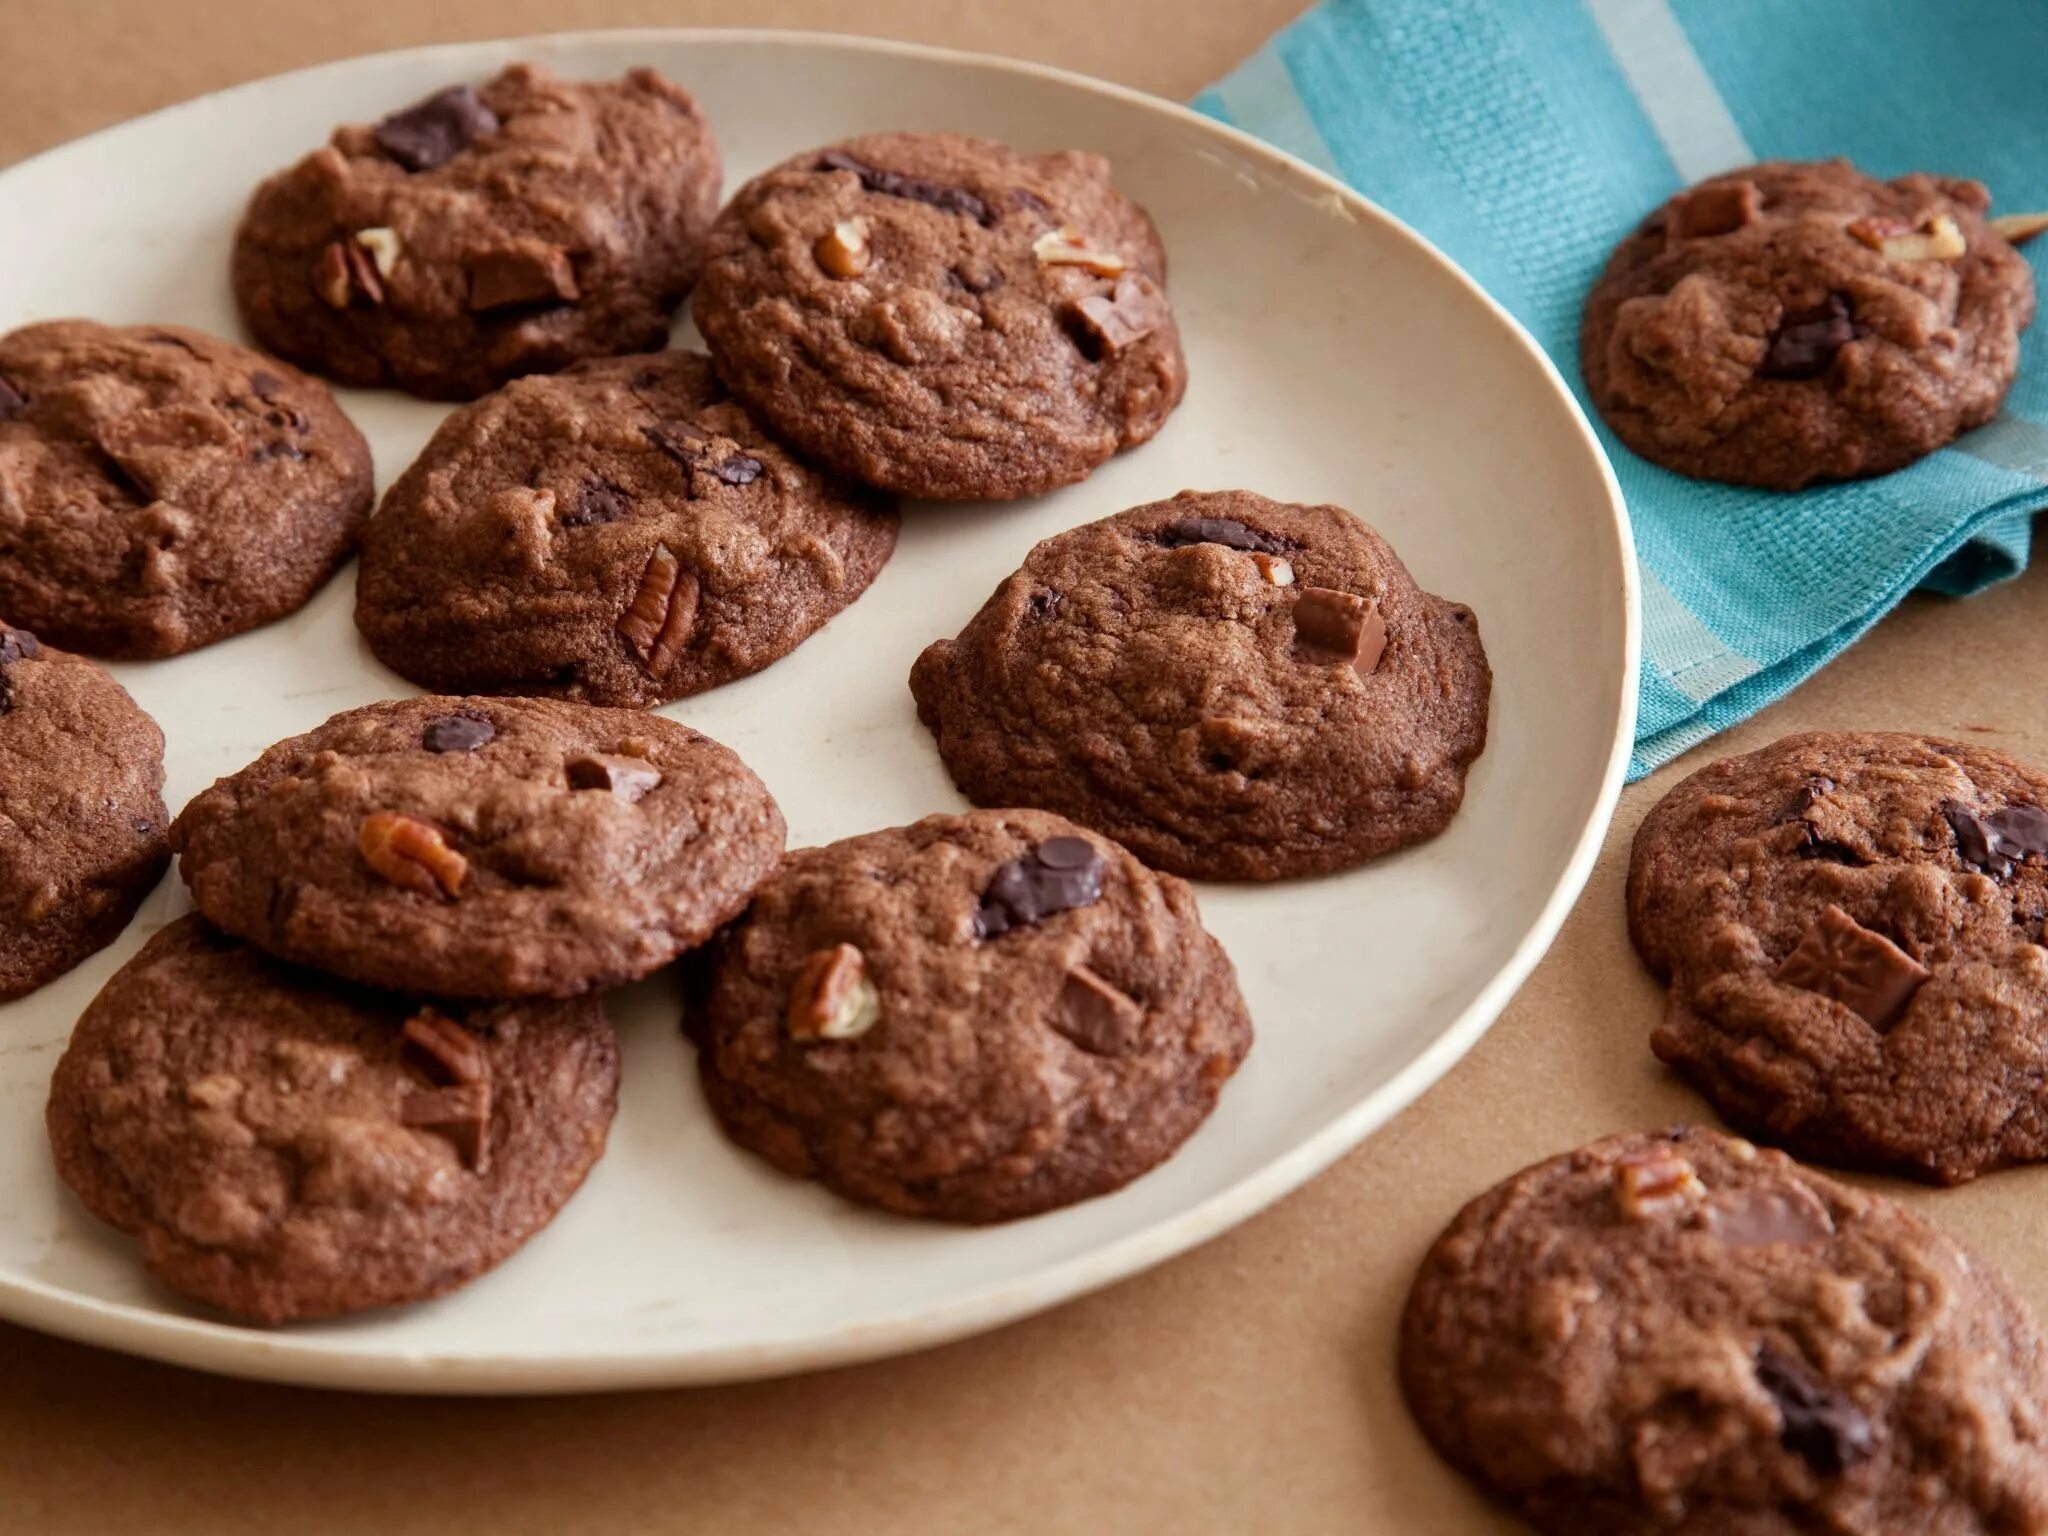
376,1060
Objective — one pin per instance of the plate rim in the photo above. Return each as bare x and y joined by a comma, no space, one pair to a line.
233,1350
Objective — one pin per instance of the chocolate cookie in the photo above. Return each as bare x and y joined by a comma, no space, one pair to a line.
1676,1333
620,533
161,489
282,1146
469,847
82,816
1234,688
484,233
943,316
1851,924
973,1018
1791,323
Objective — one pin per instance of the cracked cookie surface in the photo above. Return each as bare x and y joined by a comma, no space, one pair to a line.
620,533
1234,688
1674,1332
82,819
1792,323
1851,927
973,1018
282,1146
942,316
484,233
161,489
482,847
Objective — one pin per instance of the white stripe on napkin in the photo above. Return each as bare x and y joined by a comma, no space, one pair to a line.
1691,656
1668,79
2011,442
1260,96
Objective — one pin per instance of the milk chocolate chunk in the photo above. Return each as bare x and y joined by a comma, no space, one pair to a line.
1340,626
624,778
518,279
1096,1015
458,733
1864,971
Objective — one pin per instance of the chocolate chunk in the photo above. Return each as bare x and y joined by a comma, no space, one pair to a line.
1816,1421
1227,531
597,501
1096,1015
680,441
1339,626
1102,325
1751,1218
458,733
15,645
435,131
453,1052
630,779
1997,842
462,1113
1864,971
739,469
520,279
1043,605
1813,846
1805,344
265,452
12,401
1815,790
265,385
1024,197
916,188
1060,874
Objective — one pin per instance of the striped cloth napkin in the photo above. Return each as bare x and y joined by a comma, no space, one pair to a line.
1525,137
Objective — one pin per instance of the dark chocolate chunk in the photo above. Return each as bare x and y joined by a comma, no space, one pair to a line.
15,645
1997,842
739,469
1805,344
1817,1422
12,401
1024,197
435,131
265,385
1227,531
1813,846
1060,874
1044,604
680,441
916,188
458,733
1815,790
1862,970
265,452
597,501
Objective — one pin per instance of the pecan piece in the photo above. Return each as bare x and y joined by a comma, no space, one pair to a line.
842,251
1068,247
657,623
461,1112
1935,239
411,853
832,998
1655,1183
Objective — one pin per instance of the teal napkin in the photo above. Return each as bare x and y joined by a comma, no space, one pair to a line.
1525,137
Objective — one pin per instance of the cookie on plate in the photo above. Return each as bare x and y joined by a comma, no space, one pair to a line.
620,533
483,233
1851,924
161,489
1234,688
1792,322
1675,1332
282,1146
82,817
942,316
973,1018
474,847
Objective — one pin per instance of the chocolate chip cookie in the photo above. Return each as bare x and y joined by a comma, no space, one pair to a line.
1234,688
974,1018
483,233
82,817
474,847
943,316
161,489
283,1147
1675,1332
1791,323
1851,926
620,532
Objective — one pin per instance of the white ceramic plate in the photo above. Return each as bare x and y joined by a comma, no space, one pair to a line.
1334,357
